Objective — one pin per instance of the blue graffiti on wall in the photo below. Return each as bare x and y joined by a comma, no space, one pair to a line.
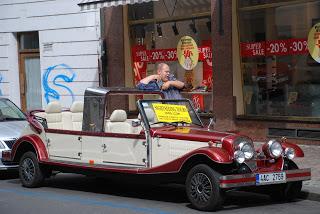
50,93
1,78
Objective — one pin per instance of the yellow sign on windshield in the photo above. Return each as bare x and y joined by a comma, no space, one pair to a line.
171,113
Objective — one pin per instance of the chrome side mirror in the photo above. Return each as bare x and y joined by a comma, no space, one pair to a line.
212,122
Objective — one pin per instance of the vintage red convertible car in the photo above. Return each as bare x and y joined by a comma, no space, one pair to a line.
166,142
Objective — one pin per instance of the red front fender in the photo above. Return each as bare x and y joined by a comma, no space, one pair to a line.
299,152
33,140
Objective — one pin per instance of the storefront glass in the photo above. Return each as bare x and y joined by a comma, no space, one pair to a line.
280,78
156,41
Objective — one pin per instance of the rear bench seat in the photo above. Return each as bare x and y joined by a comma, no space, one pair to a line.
54,116
72,120
67,120
77,115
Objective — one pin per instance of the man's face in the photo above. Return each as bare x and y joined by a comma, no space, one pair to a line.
164,72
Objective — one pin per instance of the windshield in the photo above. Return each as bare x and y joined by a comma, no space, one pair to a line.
168,112
9,111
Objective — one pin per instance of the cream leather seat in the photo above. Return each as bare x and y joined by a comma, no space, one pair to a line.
117,123
67,120
150,115
54,115
76,115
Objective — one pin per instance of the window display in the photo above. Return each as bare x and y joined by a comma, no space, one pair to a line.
156,28
280,78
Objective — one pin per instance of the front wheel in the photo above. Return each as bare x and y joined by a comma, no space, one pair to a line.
30,173
203,190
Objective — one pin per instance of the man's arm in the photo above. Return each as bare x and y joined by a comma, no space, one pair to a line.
148,79
174,83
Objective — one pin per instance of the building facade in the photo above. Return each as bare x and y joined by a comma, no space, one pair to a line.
254,70
264,79
49,50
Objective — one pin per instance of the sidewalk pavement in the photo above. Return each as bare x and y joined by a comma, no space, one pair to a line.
311,160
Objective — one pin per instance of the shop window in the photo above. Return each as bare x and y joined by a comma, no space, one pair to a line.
279,76
155,30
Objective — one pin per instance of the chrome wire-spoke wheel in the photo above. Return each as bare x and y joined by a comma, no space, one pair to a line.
201,188
28,169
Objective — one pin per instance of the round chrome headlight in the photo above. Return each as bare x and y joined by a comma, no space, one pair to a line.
289,153
274,149
247,150
239,156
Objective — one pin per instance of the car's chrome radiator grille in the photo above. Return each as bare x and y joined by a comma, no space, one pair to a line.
10,142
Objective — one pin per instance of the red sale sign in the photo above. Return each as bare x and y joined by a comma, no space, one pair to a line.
298,46
198,103
207,66
205,51
163,55
275,48
139,68
253,49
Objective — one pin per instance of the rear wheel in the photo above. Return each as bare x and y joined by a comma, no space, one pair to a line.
203,190
288,191
30,172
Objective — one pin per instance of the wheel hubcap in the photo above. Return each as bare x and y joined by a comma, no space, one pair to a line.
28,169
201,188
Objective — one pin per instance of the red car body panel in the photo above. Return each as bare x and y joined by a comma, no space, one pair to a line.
189,133
298,151
37,144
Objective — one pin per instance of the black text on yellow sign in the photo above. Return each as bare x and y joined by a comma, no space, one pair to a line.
171,113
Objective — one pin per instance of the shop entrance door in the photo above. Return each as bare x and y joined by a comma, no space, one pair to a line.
30,81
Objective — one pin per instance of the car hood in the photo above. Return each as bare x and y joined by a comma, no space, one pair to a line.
11,129
190,133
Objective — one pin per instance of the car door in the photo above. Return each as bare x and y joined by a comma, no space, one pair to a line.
92,149
125,150
64,146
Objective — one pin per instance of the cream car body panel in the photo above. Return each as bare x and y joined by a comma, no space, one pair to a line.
165,150
124,151
63,146
91,149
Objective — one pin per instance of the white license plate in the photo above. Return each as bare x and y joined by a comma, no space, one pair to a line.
270,178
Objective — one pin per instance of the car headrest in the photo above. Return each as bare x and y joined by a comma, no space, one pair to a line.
76,107
118,115
150,115
53,107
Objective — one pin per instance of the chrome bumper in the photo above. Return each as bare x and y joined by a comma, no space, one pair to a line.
232,181
7,167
